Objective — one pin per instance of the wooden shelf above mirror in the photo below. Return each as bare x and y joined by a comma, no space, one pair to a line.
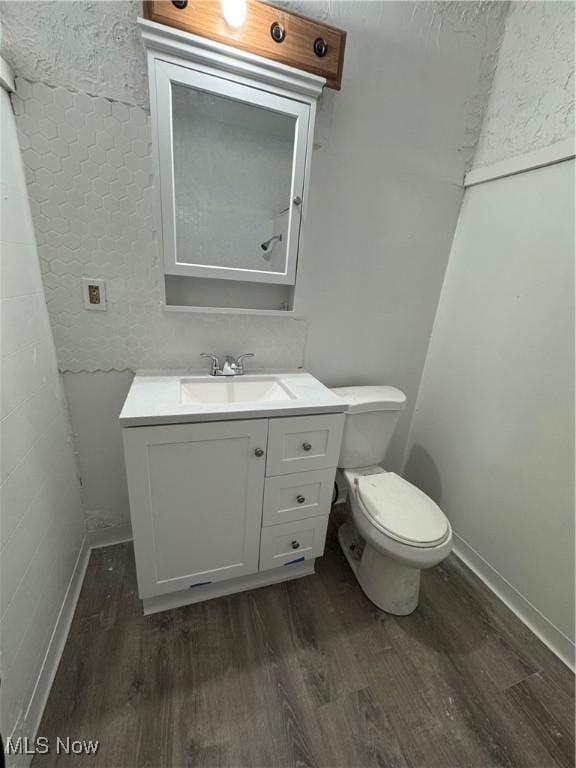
266,31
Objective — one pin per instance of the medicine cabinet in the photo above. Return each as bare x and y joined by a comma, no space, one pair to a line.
232,138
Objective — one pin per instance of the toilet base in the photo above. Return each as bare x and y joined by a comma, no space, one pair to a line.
390,585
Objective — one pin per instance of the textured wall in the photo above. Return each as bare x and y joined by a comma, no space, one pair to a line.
532,99
89,174
87,45
41,526
89,170
93,46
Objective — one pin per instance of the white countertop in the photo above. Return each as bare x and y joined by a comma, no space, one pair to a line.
154,400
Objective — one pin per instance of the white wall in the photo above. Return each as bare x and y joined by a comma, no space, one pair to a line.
386,186
393,146
96,400
42,523
492,436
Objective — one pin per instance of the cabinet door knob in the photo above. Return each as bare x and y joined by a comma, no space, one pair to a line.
295,544
258,452
307,446
300,499
297,200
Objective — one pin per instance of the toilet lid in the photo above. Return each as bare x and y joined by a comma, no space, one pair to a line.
401,510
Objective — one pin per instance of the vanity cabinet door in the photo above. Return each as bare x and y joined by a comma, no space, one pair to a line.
196,502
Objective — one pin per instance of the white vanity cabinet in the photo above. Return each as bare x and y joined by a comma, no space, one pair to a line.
215,508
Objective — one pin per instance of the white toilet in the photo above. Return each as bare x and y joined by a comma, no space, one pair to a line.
397,530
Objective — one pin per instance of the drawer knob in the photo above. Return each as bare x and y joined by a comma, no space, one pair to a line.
258,452
295,544
307,446
300,499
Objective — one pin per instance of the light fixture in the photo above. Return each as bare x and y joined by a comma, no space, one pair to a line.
234,12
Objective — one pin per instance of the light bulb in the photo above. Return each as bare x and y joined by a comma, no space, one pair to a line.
234,12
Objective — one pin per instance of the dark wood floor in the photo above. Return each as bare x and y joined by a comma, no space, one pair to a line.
307,673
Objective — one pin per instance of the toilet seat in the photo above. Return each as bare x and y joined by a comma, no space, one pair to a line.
400,510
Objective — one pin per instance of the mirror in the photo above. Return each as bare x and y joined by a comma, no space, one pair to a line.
232,168
232,181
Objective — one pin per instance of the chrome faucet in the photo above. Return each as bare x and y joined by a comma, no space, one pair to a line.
232,366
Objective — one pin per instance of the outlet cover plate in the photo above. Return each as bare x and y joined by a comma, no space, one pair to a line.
94,292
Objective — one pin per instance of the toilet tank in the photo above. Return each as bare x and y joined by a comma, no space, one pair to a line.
371,416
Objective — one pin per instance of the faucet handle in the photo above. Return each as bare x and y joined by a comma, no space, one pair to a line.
240,361
215,367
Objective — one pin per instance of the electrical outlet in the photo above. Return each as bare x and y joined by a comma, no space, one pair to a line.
94,292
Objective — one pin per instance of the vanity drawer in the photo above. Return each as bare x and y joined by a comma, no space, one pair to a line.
292,543
298,496
304,443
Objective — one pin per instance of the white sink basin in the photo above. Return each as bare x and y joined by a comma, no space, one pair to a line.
245,389
193,398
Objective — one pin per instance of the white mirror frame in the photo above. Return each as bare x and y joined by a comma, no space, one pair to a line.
183,58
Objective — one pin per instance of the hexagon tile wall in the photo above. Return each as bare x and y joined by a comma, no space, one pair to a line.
88,166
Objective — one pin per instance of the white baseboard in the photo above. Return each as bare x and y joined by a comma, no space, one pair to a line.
551,636
106,537
33,715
